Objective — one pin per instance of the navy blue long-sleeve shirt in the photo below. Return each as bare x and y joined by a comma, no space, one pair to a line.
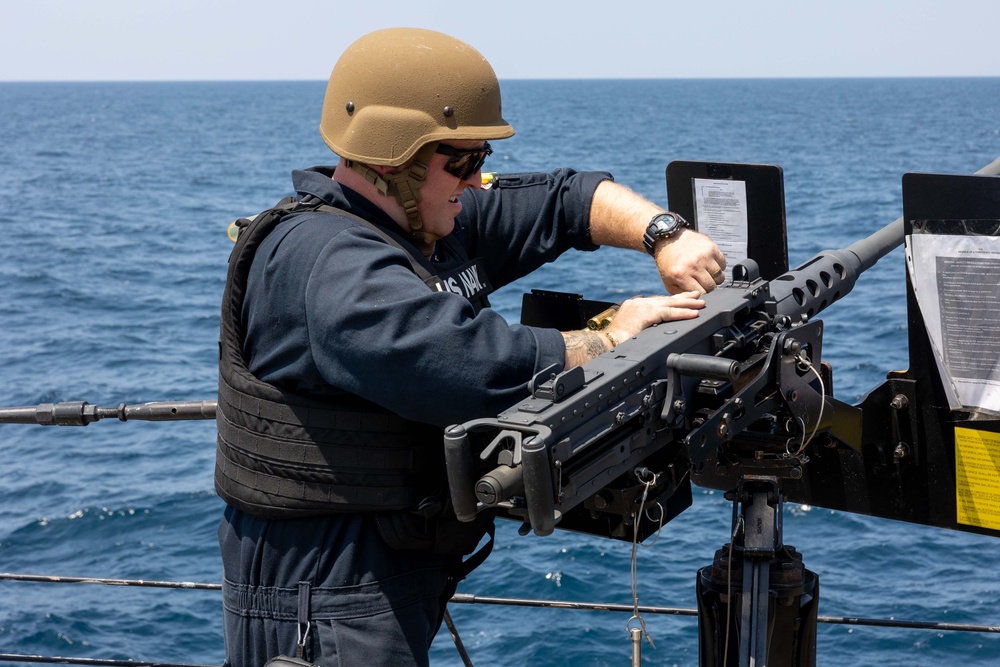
338,308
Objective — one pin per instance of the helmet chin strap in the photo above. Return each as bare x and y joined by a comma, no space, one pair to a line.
404,186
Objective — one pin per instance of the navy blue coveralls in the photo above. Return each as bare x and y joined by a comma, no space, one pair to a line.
336,307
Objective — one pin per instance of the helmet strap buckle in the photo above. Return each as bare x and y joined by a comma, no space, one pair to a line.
404,186
371,176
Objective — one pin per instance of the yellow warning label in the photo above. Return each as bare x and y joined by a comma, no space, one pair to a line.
977,478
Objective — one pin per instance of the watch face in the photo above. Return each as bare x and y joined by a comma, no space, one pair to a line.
666,224
662,225
665,227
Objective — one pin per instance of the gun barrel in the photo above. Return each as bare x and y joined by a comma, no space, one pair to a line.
873,248
827,277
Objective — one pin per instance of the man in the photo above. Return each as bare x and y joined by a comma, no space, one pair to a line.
352,335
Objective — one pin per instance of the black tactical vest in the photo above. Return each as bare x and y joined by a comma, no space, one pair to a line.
285,455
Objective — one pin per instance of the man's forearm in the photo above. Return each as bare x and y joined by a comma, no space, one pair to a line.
686,260
582,346
618,216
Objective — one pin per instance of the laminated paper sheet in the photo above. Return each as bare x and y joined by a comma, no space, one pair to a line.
721,207
956,280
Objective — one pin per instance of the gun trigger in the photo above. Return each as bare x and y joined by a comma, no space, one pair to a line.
512,440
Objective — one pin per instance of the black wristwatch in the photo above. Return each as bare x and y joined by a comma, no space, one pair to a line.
663,225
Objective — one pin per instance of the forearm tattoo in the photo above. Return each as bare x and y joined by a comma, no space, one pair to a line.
582,346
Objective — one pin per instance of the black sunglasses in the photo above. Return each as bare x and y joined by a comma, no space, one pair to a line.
464,162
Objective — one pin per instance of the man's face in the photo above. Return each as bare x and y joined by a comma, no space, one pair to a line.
439,203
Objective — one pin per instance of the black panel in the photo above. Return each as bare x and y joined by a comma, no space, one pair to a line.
766,237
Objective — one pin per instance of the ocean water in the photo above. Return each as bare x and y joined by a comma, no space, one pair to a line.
114,201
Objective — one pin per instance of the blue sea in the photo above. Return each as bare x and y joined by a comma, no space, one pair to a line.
114,202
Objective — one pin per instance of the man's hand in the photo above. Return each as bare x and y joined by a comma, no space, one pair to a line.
689,261
633,316
686,260
640,312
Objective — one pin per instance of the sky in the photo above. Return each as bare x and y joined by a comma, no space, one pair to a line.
182,40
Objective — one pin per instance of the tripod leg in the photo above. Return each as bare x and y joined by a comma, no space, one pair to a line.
761,541
772,606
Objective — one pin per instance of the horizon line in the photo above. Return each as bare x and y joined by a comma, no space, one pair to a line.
829,77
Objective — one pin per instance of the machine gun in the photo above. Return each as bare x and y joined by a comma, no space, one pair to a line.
674,396
737,399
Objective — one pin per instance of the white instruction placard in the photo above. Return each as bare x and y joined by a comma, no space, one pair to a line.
720,208
955,280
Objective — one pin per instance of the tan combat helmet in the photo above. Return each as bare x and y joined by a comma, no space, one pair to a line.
395,93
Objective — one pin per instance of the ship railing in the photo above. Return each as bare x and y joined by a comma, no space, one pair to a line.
81,413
